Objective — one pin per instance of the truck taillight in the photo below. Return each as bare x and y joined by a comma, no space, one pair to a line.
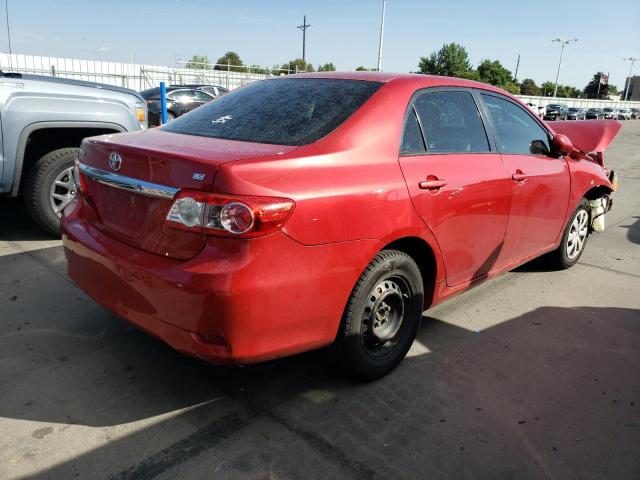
229,215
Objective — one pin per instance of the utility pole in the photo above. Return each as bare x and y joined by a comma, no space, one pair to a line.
563,43
384,7
304,27
6,11
626,88
599,83
515,78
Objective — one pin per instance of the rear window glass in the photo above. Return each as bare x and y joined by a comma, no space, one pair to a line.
282,112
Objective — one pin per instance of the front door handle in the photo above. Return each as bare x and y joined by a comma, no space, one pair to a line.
519,176
432,184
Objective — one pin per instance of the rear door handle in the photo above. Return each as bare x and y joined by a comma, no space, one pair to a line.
519,177
432,184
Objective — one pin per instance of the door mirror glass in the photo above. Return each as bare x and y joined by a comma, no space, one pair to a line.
539,147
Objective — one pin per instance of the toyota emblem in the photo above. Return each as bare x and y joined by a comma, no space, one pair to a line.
115,161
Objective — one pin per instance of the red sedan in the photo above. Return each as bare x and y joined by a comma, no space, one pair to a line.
309,210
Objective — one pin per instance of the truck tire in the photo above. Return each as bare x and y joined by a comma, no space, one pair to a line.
49,188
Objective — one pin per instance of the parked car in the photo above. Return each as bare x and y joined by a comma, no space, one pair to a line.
314,209
595,114
610,113
214,90
44,120
180,100
635,113
556,111
624,114
535,108
575,113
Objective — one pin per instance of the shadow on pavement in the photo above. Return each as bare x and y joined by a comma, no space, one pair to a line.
634,231
548,394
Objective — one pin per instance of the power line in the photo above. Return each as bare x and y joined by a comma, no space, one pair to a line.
304,27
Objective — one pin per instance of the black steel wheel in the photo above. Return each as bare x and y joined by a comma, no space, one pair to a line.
382,316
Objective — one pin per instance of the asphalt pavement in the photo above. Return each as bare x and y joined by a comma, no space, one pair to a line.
535,374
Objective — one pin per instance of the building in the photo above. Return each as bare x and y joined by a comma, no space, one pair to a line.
634,88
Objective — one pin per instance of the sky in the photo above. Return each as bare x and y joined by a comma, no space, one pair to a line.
344,32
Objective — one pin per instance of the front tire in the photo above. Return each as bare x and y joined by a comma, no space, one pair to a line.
49,188
382,316
574,238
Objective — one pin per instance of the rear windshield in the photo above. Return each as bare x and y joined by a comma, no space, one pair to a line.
553,105
294,111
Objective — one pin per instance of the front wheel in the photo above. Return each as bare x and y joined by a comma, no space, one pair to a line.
382,317
49,188
574,239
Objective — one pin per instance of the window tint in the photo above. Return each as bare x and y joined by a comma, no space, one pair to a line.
451,122
412,141
294,111
201,96
518,132
180,95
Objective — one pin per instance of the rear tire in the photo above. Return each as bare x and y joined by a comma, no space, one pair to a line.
49,188
574,238
382,316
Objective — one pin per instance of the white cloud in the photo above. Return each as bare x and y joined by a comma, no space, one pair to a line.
103,49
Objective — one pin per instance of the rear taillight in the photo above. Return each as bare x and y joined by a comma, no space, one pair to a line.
229,215
78,178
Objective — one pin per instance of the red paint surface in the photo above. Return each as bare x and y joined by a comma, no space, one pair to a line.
245,300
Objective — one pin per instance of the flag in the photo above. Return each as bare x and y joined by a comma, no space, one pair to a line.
604,79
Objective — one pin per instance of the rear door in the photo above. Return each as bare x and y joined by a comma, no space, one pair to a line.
456,180
540,183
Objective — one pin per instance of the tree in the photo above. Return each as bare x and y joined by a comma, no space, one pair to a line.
362,69
230,61
529,87
297,65
199,62
494,73
547,88
327,67
452,60
258,69
591,90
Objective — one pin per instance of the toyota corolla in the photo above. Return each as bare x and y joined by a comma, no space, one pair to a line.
319,209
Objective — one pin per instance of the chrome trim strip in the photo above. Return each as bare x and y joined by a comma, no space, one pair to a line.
129,184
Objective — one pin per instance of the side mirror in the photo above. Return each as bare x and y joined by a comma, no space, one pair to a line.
562,145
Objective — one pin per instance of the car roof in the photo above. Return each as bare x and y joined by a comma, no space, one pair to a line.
416,79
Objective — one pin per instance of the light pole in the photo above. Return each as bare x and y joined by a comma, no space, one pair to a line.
384,7
626,89
563,43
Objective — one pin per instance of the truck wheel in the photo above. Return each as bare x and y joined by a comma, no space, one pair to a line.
49,188
574,239
382,316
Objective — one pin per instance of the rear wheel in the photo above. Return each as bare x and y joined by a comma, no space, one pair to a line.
49,188
382,316
574,239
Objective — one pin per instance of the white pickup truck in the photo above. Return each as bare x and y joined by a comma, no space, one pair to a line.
43,121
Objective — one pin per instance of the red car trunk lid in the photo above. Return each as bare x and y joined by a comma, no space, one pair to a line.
173,161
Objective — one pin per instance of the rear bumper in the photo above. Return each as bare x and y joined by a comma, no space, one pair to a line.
236,302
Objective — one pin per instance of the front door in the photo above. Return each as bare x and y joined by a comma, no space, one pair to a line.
458,185
540,183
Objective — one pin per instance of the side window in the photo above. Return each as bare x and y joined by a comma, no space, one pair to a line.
202,96
518,132
412,141
451,122
181,95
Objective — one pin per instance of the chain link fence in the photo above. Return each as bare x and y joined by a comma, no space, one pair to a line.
135,76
